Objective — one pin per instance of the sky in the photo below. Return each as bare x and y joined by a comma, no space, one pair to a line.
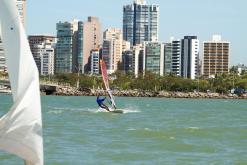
177,18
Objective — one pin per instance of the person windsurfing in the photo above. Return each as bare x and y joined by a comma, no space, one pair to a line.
101,103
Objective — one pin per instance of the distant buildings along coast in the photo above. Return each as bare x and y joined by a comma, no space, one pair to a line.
79,45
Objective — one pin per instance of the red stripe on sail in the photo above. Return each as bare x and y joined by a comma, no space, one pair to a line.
104,74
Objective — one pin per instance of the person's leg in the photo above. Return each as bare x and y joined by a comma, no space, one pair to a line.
105,107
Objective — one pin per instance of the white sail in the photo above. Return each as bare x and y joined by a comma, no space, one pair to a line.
106,82
21,127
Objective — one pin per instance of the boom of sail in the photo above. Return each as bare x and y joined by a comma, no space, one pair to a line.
21,127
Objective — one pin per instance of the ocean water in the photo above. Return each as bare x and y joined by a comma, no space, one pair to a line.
152,131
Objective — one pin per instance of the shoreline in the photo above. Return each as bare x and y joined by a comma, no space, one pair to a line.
71,91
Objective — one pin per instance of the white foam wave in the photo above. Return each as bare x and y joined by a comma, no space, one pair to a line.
124,110
193,128
130,111
147,129
67,109
58,110
131,129
99,110
55,112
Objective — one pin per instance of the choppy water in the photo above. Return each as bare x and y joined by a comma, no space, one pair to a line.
152,131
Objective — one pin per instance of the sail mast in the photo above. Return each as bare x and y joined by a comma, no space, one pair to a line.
21,127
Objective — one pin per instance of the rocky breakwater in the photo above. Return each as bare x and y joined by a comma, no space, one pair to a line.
72,91
166,94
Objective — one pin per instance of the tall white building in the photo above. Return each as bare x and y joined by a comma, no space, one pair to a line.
138,55
43,50
176,56
189,57
47,61
21,7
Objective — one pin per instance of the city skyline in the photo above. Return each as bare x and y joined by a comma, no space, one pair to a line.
177,19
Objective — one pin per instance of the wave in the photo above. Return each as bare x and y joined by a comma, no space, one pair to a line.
58,110
193,128
67,109
99,110
130,111
125,110
55,111
131,129
141,129
147,129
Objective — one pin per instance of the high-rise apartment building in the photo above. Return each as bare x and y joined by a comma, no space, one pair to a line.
113,56
176,57
215,57
47,61
78,60
154,57
140,22
189,57
43,50
70,46
64,47
21,7
95,58
92,38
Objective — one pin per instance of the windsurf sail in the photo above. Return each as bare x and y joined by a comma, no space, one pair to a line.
21,127
106,83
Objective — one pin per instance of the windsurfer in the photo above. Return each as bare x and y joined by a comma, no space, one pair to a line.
101,103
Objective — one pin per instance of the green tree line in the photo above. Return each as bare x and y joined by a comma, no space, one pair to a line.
222,83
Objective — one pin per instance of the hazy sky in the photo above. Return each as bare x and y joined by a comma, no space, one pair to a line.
177,18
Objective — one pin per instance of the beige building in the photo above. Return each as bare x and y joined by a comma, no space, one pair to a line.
114,38
215,57
92,38
21,6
